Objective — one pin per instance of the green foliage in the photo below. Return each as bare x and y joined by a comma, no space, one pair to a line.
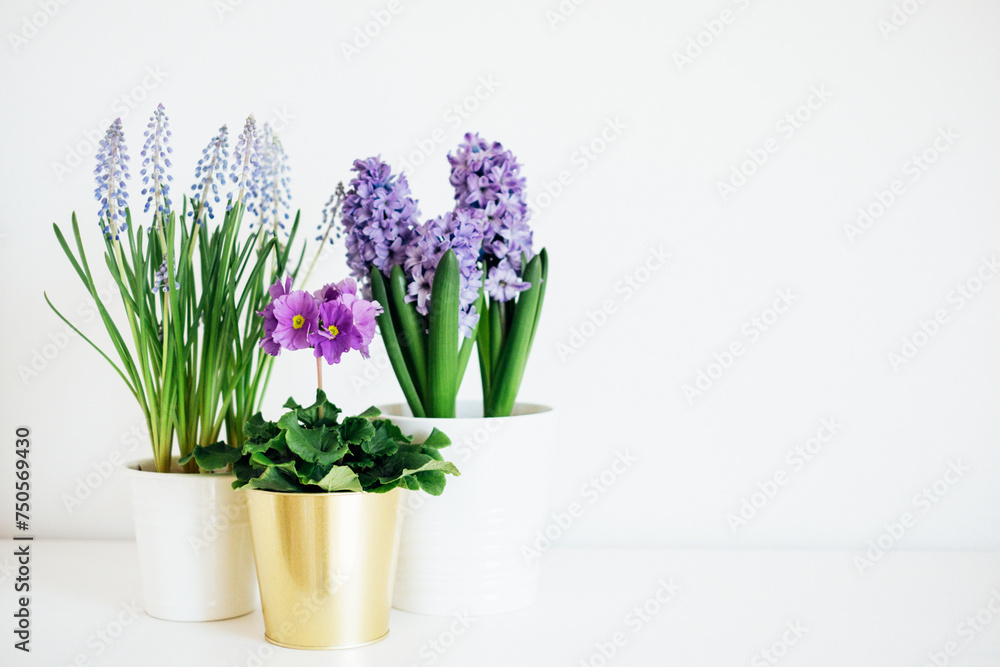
193,363
308,450
505,342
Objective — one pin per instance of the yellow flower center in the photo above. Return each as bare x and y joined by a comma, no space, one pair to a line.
333,330
298,321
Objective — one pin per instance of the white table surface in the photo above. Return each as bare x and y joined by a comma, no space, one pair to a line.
729,606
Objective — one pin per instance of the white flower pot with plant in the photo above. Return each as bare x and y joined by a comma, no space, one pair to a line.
467,277
186,347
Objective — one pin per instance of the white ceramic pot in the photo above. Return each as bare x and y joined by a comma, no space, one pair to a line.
464,551
194,545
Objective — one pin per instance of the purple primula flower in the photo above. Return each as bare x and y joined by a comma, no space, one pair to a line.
503,283
111,174
296,314
277,290
336,333
211,170
379,217
155,163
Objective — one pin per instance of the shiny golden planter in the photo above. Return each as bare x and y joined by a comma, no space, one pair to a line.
325,565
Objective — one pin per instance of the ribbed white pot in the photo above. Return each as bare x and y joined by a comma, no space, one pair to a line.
193,537
464,551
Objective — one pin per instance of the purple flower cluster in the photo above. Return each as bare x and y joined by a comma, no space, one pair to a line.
275,192
379,218
331,321
155,163
487,177
246,169
462,232
111,173
211,169
161,282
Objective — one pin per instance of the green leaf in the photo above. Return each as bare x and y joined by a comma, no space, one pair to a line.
509,369
442,342
319,445
213,457
276,479
411,326
340,478
355,430
371,413
431,481
258,429
443,466
386,327
436,439
385,440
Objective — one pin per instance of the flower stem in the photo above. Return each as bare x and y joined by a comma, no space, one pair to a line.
319,382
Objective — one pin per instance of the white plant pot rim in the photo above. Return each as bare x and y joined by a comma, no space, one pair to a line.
132,468
524,410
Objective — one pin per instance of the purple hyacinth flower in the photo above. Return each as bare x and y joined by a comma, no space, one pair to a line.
296,314
419,289
210,171
155,163
503,283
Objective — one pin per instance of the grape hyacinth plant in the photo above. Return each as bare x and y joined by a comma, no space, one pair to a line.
309,450
189,293
468,276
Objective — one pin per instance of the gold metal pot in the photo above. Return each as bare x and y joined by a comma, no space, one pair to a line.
325,565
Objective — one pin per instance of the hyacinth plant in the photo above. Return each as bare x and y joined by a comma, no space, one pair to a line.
309,450
189,292
468,276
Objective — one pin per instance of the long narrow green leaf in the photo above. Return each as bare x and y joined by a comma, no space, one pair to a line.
387,328
510,368
412,338
442,341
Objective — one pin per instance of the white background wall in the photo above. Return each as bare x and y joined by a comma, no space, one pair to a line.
681,130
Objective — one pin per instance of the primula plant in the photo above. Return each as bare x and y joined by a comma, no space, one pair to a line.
468,276
309,449
186,347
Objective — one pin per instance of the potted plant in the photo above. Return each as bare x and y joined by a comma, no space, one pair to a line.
185,347
321,490
468,276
